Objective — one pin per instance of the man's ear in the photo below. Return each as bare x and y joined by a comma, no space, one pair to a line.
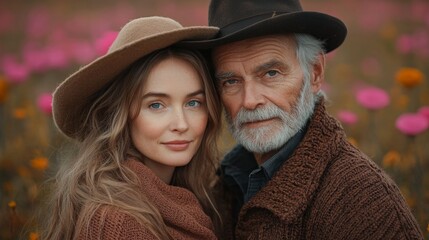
318,73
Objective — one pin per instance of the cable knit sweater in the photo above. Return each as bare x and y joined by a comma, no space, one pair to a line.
327,189
179,208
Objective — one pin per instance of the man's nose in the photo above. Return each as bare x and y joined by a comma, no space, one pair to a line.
252,95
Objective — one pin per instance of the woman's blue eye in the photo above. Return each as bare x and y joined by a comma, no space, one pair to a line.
194,103
155,105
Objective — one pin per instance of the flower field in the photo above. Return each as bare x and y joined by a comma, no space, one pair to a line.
376,82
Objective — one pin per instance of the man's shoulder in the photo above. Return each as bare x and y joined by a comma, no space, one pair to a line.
356,182
355,190
351,161
353,168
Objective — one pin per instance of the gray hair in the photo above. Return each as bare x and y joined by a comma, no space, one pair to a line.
307,50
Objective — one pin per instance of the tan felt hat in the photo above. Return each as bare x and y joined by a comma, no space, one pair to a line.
136,39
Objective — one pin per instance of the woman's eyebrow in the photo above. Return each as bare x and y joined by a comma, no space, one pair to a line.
164,95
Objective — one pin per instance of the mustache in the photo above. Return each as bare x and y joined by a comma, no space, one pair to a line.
259,114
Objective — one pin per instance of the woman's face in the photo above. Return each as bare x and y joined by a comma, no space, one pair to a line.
173,116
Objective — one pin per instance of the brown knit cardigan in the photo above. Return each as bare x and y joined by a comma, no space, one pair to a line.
179,208
327,189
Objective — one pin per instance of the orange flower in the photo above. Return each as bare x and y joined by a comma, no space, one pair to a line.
391,159
409,77
33,236
12,204
39,163
4,87
20,113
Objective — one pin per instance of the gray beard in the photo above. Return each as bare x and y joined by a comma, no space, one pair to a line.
267,138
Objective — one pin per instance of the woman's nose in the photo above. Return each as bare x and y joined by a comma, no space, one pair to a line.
179,122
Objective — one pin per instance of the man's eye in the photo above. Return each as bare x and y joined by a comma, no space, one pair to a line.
230,82
272,73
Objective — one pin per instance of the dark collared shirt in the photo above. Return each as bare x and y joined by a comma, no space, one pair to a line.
245,177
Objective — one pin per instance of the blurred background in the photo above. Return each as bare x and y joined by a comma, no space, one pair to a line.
376,82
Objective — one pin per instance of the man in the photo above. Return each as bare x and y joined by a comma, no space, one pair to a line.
293,174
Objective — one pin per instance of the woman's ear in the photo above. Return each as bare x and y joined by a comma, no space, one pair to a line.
318,73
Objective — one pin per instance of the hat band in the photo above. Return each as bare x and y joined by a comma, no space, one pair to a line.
241,24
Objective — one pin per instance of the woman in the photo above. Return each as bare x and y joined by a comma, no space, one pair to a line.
146,117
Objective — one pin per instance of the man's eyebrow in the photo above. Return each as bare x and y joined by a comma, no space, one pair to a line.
164,95
261,68
270,64
224,75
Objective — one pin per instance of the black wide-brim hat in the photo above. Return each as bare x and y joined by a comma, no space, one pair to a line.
243,19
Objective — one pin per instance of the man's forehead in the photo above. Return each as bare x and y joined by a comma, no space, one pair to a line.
253,50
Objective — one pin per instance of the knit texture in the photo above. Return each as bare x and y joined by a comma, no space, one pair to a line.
327,189
180,209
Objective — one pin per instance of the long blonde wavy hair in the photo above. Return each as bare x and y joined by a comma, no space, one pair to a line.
96,177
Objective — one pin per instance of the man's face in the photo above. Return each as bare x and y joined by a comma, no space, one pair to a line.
263,91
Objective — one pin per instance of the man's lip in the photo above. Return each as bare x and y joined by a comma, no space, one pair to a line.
257,121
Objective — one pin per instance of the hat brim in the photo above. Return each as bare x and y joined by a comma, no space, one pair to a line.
329,29
72,95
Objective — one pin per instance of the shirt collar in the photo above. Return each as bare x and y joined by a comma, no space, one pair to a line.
273,164
239,162
236,167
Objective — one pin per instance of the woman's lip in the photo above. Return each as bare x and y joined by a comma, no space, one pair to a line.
177,142
178,145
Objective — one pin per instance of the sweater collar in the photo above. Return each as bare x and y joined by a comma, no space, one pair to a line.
291,189
179,208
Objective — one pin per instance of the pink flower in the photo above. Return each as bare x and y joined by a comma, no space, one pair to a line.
44,102
411,124
13,70
40,60
417,43
372,98
56,58
81,51
102,44
34,60
404,44
347,117
424,111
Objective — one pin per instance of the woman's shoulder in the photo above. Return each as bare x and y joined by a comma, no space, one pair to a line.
110,222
